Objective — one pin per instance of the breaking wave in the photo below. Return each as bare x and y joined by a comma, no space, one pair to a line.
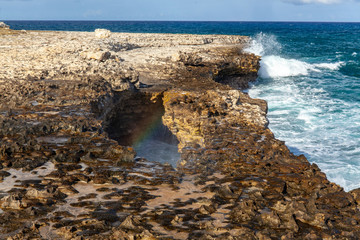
273,65
314,104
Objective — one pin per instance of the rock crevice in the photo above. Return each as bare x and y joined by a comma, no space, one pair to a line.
72,105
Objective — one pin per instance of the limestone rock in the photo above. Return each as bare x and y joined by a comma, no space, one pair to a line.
192,121
4,26
100,56
37,194
356,194
68,171
122,85
131,223
102,33
188,59
13,201
64,55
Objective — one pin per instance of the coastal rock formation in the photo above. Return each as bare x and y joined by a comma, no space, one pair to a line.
4,26
70,116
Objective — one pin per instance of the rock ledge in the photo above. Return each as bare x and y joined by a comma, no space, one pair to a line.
72,105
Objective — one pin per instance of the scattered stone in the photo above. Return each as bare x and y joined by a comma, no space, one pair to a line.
102,33
100,56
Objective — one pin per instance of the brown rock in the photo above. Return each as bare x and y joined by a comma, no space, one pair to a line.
356,194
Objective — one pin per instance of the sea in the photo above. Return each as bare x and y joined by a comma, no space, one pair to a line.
309,75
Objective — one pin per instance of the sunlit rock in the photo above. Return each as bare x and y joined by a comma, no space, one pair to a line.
4,26
102,33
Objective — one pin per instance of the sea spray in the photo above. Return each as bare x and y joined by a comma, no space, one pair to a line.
313,106
264,44
330,66
272,65
275,66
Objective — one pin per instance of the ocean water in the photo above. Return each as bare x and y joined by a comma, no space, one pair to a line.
309,75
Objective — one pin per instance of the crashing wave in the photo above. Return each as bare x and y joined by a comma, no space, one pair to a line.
273,65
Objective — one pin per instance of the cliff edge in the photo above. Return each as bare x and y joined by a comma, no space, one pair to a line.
73,106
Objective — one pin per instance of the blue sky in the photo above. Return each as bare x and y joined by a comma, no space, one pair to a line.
196,10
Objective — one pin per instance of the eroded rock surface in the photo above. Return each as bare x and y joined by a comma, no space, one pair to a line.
4,26
71,106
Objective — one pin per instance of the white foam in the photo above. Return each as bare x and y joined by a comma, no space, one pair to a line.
306,116
304,113
330,66
315,124
272,65
281,112
342,175
276,66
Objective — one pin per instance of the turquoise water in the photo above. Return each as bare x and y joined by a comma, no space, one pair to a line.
310,77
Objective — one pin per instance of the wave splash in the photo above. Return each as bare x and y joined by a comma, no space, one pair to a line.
264,44
276,66
313,105
272,65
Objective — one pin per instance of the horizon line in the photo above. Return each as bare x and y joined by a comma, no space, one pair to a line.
215,21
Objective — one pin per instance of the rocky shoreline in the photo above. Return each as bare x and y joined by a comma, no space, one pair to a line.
72,105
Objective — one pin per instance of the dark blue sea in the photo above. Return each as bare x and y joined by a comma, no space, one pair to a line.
310,77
